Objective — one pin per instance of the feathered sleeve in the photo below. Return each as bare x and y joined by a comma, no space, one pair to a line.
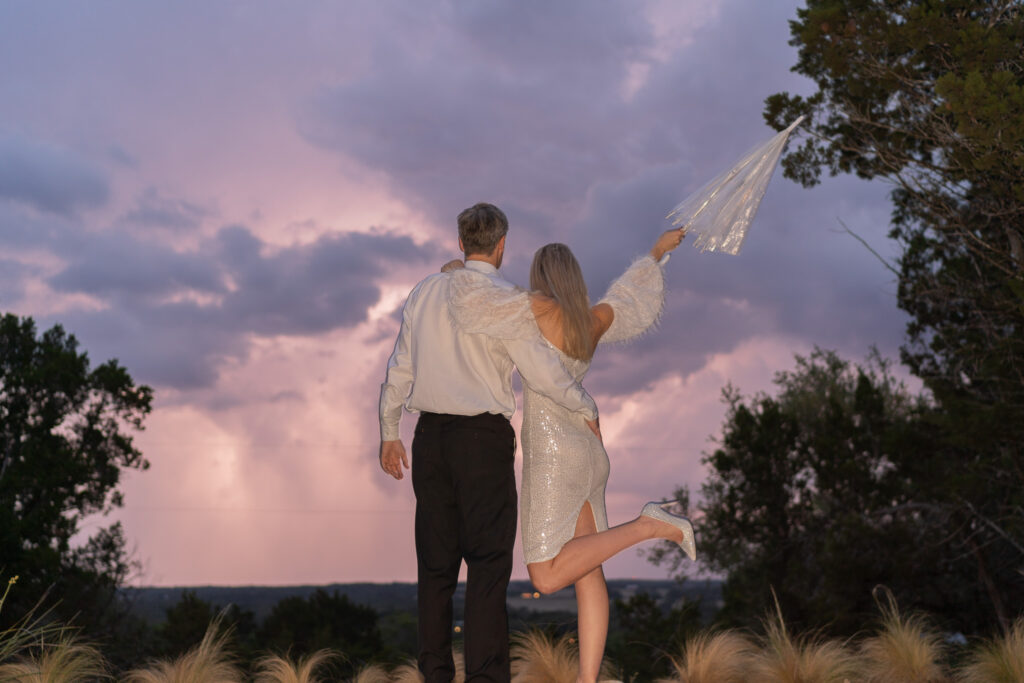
637,298
479,306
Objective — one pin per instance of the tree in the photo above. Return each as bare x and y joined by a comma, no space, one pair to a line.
643,636
188,620
186,623
324,620
812,496
929,96
64,441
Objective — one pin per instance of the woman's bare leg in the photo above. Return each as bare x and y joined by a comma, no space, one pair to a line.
583,554
591,607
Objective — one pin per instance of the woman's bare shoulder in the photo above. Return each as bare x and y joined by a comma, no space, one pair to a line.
603,315
548,315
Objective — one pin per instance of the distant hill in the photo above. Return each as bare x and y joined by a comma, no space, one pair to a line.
152,603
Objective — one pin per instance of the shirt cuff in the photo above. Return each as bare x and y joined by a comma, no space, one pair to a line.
590,410
389,432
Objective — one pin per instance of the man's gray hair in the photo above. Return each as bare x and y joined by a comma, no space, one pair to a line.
481,227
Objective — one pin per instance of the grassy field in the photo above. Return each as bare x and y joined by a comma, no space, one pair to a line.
901,648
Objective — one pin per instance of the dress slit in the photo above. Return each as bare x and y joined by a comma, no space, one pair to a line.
593,517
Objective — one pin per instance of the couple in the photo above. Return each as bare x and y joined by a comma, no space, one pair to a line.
462,331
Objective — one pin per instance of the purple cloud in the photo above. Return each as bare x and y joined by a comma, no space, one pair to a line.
153,210
49,179
542,127
175,316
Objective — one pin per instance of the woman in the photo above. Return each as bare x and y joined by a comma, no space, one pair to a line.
565,468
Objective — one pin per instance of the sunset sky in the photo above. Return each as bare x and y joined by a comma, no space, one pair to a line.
234,198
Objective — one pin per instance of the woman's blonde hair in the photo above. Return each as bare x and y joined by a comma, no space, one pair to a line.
556,274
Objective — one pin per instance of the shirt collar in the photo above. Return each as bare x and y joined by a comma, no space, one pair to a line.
481,267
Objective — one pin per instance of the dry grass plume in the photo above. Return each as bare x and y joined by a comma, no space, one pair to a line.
1000,660
410,673
537,658
785,659
904,650
63,661
407,673
723,657
275,669
372,673
208,662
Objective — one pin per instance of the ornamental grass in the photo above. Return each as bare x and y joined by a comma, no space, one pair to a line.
208,662
62,661
410,673
540,658
277,669
905,649
372,673
783,658
1000,660
714,657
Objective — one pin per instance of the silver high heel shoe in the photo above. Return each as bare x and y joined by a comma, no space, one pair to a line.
659,512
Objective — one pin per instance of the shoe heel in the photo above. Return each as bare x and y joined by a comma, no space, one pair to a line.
658,510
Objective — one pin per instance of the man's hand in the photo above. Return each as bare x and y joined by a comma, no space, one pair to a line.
595,426
392,457
452,265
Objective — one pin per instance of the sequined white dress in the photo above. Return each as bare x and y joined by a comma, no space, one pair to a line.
564,463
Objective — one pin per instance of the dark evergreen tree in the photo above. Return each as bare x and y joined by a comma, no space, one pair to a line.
324,621
185,625
930,97
188,620
644,636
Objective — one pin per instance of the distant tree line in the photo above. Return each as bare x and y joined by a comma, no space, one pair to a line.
296,626
643,632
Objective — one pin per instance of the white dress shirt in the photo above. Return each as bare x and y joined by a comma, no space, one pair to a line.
438,368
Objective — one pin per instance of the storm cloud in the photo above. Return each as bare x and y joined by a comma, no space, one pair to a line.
174,315
192,188
48,178
589,133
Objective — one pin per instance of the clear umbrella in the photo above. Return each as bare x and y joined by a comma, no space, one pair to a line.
720,212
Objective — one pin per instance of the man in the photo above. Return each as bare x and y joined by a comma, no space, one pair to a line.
462,454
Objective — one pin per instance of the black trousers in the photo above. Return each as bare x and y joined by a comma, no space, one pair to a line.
464,479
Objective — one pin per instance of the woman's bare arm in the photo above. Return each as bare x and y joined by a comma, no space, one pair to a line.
603,315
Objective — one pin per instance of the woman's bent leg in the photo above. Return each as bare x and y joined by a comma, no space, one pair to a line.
583,554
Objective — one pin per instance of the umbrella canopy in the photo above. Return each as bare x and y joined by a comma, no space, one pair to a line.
720,212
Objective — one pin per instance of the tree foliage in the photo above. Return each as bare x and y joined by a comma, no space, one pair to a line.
815,495
324,620
187,621
929,96
642,635
65,437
